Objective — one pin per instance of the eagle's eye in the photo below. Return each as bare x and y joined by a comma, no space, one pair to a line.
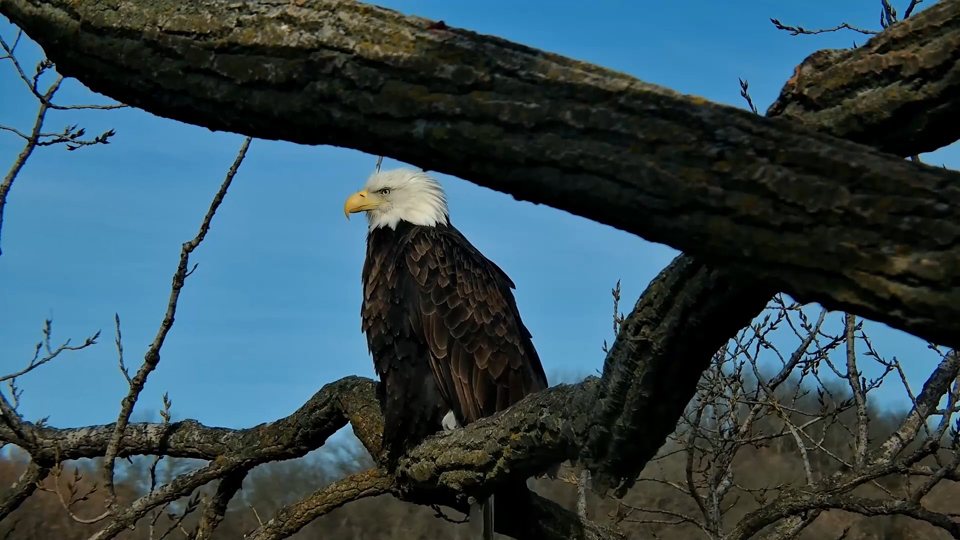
384,191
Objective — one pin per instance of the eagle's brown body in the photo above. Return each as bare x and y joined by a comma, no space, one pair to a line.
444,331
440,319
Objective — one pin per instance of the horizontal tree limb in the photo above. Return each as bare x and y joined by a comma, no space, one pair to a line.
522,442
447,469
822,219
294,436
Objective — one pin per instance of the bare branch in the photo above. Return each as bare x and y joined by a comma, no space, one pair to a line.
36,138
214,512
797,30
72,496
152,356
911,7
745,94
859,391
583,481
38,361
933,390
292,518
28,148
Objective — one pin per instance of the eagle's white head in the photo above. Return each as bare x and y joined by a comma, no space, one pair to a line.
400,195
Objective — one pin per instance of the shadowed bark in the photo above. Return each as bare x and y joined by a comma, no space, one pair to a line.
820,218
653,367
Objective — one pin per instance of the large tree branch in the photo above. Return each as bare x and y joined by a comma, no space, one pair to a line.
294,517
447,469
821,218
519,515
653,367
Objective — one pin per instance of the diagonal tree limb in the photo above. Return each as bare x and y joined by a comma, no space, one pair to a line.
294,517
820,218
216,509
22,489
687,312
924,406
152,357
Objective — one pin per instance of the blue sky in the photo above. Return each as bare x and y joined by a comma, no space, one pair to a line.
272,313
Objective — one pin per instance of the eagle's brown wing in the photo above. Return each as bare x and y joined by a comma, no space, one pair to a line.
480,351
409,396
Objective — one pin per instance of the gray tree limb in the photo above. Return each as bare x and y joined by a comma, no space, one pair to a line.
447,469
820,218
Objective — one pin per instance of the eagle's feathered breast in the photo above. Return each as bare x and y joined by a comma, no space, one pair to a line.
436,311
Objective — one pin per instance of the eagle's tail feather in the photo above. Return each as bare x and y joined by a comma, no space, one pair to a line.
487,510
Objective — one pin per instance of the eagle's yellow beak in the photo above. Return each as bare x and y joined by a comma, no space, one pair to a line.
360,201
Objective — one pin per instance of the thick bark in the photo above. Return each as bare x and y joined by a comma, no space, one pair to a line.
686,314
896,93
821,218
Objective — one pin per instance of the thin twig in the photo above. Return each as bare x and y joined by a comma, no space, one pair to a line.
152,356
797,30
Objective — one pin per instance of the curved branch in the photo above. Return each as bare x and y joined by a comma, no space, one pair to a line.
849,503
216,509
686,314
821,218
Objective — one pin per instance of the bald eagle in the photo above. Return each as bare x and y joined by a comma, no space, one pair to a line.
441,321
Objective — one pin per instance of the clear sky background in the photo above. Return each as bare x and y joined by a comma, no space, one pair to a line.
272,313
